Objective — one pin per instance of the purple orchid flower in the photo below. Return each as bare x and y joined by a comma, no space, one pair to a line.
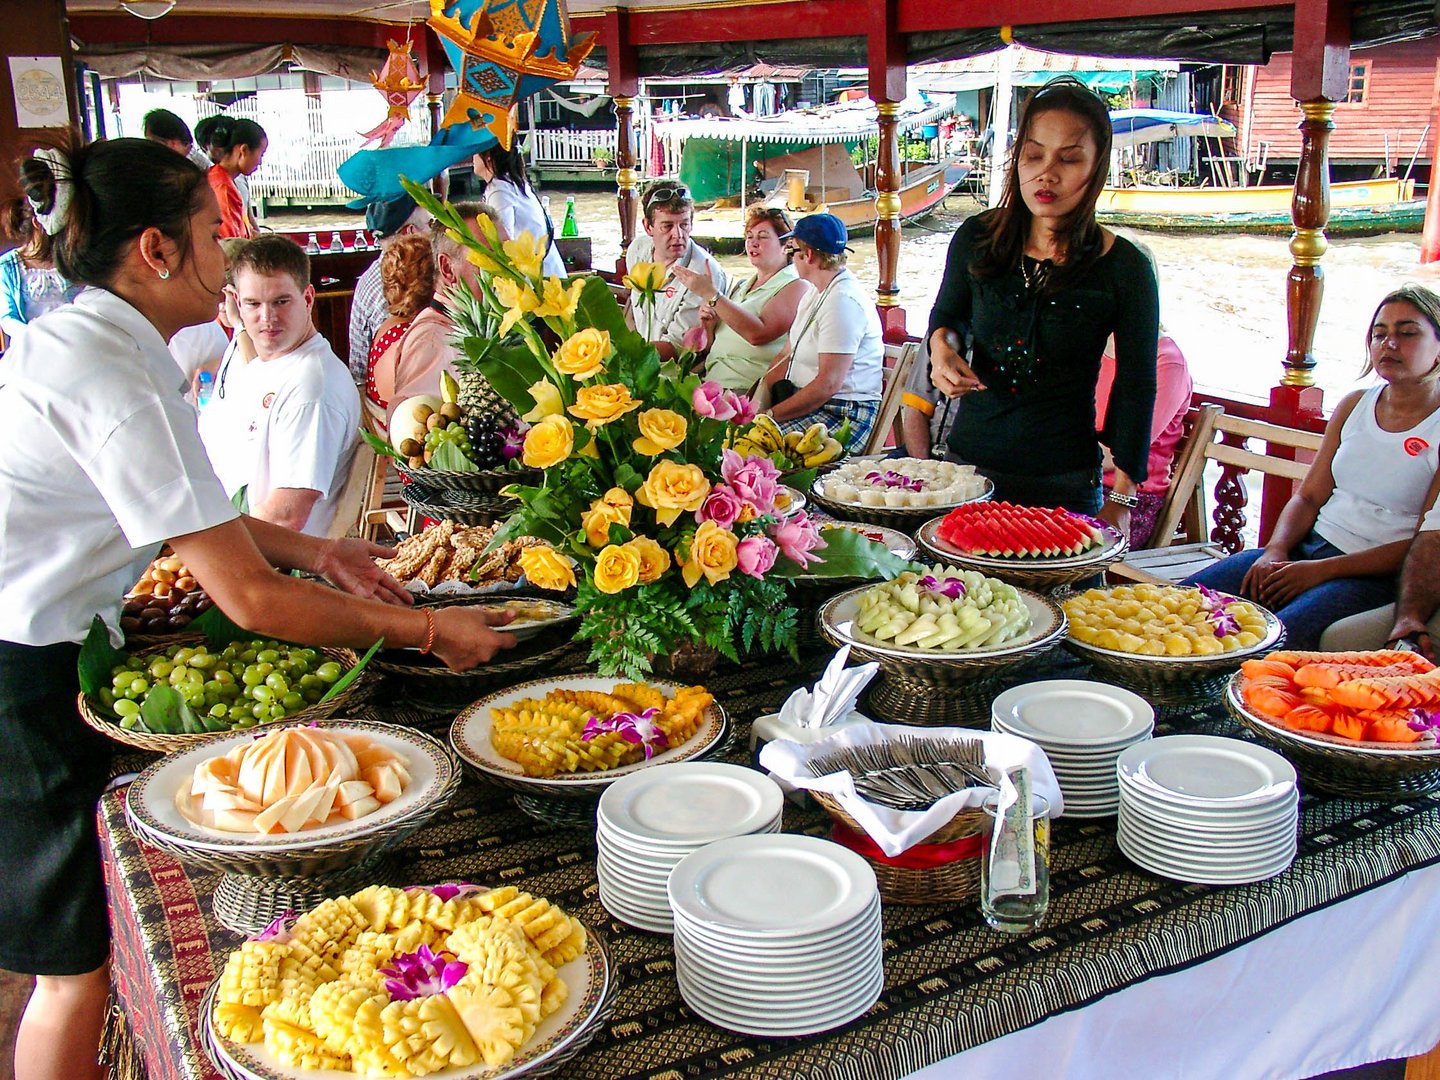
514,442
276,931
639,729
1225,623
450,890
893,479
1423,719
954,588
422,974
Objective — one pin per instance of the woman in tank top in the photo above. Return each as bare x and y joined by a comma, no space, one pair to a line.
747,328
1342,538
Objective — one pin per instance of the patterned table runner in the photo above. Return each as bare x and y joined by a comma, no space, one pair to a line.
950,982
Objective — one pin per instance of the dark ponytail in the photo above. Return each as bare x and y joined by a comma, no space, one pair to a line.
508,165
228,133
117,189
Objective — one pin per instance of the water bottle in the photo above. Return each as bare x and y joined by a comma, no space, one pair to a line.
360,242
312,245
336,244
205,388
545,203
569,228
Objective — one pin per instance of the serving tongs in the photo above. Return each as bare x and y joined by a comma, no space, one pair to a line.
908,773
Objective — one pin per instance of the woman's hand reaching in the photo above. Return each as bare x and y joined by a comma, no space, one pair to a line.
949,372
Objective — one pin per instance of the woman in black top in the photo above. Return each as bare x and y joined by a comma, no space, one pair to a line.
1039,286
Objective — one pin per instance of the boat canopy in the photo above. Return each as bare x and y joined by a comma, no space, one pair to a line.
846,122
1135,126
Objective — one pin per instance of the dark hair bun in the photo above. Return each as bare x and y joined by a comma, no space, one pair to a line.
39,183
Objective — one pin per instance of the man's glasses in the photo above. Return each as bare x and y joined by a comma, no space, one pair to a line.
666,193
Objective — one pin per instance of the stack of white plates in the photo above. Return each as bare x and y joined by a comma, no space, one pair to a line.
650,820
777,935
1082,726
1207,809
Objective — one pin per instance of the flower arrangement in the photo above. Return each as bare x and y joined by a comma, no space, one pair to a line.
669,536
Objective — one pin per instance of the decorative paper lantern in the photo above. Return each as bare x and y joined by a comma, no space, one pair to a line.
400,83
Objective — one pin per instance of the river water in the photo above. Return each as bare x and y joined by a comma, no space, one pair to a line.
1222,297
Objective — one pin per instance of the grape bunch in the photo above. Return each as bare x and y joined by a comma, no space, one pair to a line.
487,440
244,684
442,425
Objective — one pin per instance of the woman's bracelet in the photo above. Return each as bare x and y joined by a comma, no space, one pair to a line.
1127,501
429,632
714,300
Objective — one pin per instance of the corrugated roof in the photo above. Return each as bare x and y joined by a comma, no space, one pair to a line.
1038,60
846,122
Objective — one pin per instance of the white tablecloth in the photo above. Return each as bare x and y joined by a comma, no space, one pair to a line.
1346,985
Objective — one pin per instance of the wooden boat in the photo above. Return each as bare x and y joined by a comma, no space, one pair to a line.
1357,208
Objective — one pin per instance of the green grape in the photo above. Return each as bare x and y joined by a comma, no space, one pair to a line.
182,655
277,682
329,671
292,701
260,711
134,663
312,695
160,669
107,696
126,707
264,668
239,713
268,656
219,711
224,677
262,693
252,677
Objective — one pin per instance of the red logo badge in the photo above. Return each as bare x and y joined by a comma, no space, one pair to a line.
270,400
670,292
1415,447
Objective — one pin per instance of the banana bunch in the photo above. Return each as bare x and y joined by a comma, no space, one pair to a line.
795,449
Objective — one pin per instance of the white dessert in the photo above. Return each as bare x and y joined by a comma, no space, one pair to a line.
904,483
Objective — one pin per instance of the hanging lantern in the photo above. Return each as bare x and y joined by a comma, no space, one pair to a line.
400,83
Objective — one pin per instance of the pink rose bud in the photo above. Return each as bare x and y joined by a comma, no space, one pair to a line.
755,555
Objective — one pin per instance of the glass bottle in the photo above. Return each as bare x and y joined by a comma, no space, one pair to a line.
570,228
312,245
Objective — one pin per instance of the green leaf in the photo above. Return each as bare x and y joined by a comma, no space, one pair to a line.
351,675
450,458
164,712
381,446
241,500
627,477
511,370
98,658
803,480
599,308
218,628
847,554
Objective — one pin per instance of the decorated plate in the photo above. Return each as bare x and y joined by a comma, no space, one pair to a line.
789,501
1047,623
820,489
588,978
150,802
533,616
1112,546
1274,634
896,541
1426,744
470,735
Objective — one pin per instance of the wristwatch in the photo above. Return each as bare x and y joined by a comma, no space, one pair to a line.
1127,501
713,301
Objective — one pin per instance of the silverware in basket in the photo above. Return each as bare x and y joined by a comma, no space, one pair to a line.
909,773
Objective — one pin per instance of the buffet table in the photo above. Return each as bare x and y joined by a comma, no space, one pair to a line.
1180,964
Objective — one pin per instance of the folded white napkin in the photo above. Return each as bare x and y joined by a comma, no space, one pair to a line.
896,831
833,697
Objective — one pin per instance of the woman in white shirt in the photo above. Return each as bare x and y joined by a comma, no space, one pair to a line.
101,464
1342,538
515,203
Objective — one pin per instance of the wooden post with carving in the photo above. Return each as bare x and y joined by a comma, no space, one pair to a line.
1320,77
624,83
886,55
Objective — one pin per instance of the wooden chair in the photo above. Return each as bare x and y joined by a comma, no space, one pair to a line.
898,359
367,509
1167,561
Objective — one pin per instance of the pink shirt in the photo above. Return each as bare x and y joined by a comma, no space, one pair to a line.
1167,423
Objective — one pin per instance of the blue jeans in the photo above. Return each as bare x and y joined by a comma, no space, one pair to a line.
1307,616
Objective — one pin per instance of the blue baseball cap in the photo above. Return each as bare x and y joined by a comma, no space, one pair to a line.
823,232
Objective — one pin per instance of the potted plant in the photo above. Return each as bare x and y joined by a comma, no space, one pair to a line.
669,535
603,156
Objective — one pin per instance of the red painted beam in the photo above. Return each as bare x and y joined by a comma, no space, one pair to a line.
1321,68
124,29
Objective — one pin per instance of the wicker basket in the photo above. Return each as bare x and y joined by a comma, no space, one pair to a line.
1356,772
956,880
1025,573
901,701
438,686
99,718
494,509
438,482
905,519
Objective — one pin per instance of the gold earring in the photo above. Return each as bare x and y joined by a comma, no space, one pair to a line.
163,273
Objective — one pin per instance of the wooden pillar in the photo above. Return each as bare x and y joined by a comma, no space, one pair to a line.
624,85
886,56
35,28
1320,77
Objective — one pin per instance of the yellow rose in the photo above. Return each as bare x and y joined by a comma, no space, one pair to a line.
712,554
646,277
660,430
547,402
559,301
517,299
672,488
619,498
526,253
598,405
582,355
654,559
617,568
597,520
546,568
549,442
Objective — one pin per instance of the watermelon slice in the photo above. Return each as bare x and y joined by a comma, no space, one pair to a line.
1004,530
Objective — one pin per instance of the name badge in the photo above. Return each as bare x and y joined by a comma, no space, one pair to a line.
1415,447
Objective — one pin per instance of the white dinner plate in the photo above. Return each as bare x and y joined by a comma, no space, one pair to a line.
587,977
687,804
1112,546
1243,855
1207,770
646,854
1066,713
761,1020
150,800
782,952
1207,817
821,486
773,885
803,975
470,734
1203,875
792,995
762,962
1200,841
1047,622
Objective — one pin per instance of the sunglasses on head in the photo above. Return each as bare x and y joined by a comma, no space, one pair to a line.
667,193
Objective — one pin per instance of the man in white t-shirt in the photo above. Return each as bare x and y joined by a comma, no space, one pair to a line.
284,426
669,217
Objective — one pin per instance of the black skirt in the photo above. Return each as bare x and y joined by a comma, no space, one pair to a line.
53,769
